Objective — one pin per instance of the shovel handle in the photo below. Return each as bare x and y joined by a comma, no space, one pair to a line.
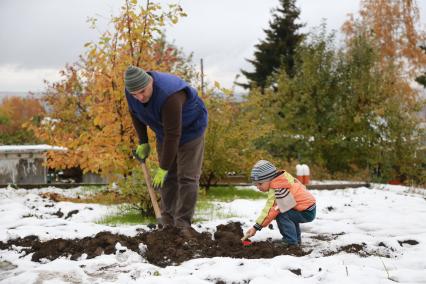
151,191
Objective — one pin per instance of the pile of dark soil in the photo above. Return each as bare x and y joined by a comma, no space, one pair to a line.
103,242
164,247
170,246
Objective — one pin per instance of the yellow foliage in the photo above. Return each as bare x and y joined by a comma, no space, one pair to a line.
88,113
393,25
230,134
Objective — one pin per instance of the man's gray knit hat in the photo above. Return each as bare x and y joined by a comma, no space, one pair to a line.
263,171
135,79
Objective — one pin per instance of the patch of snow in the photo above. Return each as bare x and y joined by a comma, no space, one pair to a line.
381,217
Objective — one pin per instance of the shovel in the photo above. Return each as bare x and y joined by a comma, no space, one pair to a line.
151,191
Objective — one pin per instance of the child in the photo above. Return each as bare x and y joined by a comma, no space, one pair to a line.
288,202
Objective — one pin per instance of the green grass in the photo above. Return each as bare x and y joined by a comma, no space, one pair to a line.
207,207
128,217
229,193
209,210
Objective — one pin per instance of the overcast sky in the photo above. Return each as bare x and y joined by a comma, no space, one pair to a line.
39,37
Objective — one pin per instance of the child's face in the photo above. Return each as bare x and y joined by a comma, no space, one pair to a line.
263,186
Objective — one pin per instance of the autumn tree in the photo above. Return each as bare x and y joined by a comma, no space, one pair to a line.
230,136
15,112
395,26
278,48
394,133
392,28
88,113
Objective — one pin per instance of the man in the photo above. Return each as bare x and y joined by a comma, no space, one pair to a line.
178,117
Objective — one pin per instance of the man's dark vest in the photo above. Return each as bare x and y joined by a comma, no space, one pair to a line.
194,112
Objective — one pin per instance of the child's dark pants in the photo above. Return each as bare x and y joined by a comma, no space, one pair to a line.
288,224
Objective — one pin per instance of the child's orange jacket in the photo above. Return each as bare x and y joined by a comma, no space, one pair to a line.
284,182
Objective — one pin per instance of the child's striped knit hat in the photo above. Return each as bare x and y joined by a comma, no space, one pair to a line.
263,171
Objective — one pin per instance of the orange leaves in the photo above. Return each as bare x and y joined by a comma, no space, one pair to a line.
394,25
21,108
88,111
17,111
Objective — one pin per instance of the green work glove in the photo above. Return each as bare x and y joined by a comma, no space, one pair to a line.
159,178
143,151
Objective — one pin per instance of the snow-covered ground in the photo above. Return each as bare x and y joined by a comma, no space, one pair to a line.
383,214
315,182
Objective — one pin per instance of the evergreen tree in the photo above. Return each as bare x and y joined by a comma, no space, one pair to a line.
278,48
301,107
